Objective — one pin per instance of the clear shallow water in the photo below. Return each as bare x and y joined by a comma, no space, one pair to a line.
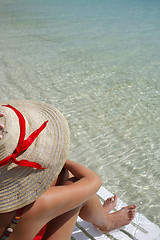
98,62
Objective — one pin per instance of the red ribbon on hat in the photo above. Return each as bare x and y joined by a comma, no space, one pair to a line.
23,144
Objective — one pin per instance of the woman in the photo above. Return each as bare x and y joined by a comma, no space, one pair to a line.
42,193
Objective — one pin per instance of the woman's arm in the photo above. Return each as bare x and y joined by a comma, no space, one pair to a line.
78,170
60,199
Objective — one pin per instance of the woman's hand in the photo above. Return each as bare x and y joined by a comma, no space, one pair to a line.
1,126
80,171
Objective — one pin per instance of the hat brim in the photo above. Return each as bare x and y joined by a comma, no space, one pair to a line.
20,186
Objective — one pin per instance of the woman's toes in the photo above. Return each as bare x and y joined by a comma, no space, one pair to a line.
111,200
108,200
132,212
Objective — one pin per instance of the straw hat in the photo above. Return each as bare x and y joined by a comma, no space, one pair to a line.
22,185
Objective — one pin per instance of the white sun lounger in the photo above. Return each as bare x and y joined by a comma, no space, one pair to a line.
139,229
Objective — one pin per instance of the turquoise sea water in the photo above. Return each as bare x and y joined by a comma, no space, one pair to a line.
98,61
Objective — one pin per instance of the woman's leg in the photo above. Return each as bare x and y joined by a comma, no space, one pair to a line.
61,227
96,213
93,211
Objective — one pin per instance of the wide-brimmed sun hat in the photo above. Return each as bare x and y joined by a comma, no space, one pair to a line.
33,150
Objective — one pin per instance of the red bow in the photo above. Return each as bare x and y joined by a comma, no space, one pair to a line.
23,144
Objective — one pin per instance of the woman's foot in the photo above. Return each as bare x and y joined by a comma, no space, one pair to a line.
110,203
118,219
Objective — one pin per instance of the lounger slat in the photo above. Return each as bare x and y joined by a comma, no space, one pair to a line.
90,229
78,234
120,235
152,229
133,232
